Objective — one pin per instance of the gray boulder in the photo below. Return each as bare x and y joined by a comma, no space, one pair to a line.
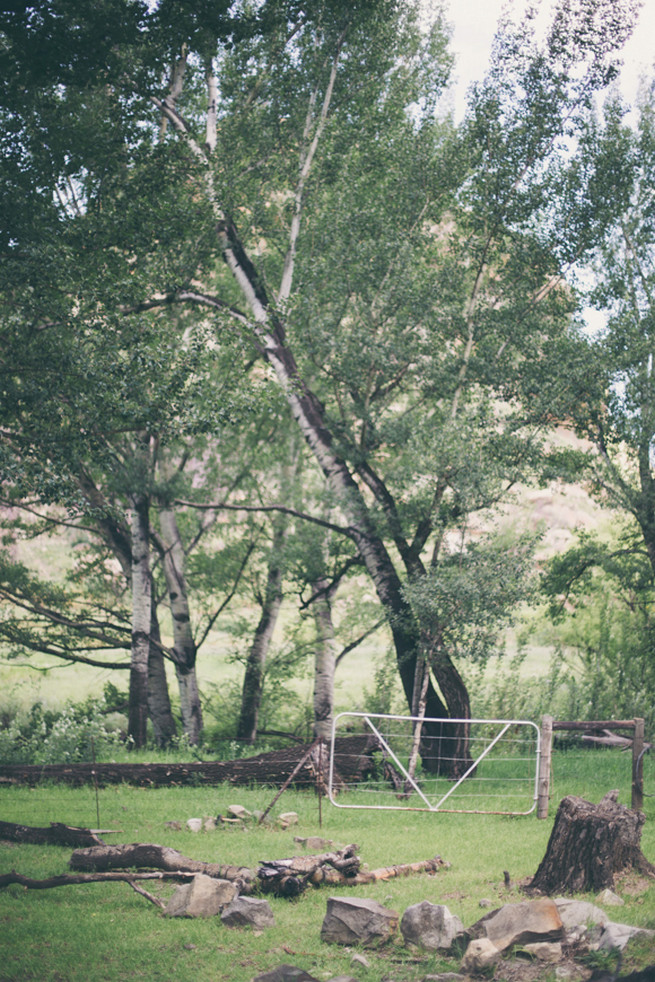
248,912
618,935
354,921
204,896
480,955
285,973
531,920
430,926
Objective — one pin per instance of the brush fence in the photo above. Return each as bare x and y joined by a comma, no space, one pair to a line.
500,774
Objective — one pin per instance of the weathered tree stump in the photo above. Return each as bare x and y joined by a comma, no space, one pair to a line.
590,845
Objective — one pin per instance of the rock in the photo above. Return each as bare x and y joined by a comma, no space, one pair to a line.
430,926
578,917
238,811
362,960
314,842
531,920
204,896
175,826
194,824
480,954
224,820
545,951
288,818
485,903
209,824
248,912
354,921
285,973
609,898
618,935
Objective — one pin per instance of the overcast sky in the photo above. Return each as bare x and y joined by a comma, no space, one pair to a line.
474,23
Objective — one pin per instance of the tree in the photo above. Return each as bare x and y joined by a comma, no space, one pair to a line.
403,281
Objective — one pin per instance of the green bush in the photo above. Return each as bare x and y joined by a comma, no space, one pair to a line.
79,732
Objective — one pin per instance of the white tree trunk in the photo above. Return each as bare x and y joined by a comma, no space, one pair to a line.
141,613
184,646
324,662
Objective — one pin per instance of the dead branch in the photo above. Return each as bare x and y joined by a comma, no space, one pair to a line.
149,855
72,879
56,834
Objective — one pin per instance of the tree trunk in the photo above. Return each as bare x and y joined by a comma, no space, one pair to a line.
253,681
445,746
324,662
184,646
141,616
590,845
159,703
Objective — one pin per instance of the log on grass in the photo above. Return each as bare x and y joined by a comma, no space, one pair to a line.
73,879
590,846
56,834
353,755
149,855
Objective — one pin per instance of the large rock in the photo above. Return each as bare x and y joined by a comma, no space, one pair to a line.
480,955
204,896
248,912
354,921
532,920
579,917
285,973
618,935
430,926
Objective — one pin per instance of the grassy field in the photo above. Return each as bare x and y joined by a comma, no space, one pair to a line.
98,932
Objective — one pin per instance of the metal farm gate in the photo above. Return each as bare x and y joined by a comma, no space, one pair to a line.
500,768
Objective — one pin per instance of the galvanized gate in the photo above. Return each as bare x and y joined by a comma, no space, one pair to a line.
498,775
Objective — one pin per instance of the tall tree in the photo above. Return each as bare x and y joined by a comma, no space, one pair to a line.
403,281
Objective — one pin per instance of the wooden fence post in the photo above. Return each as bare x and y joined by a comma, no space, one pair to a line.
543,777
638,766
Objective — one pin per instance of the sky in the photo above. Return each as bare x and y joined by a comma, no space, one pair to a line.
474,23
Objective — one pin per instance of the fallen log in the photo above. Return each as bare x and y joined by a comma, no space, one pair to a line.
73,879
149,855
289,877
56,834
353,755
590,845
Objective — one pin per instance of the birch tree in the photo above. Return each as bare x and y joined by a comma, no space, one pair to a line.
402,280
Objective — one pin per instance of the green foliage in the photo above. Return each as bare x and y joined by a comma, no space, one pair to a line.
79,732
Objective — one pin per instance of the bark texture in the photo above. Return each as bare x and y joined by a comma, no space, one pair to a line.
55,835
141,616
590,845
354,757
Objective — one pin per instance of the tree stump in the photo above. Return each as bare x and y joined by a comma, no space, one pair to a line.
590,845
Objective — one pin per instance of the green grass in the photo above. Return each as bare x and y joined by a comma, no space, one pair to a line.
103,931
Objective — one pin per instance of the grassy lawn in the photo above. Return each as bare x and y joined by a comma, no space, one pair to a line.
106,932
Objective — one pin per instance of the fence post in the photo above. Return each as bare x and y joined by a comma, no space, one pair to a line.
638,766
543,778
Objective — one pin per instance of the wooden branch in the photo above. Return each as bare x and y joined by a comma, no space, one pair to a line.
149,896
56,835
72,879
140,855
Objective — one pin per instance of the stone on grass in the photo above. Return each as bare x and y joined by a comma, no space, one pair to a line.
544,951
194,824
609,898
248,912
531,920
354,921
288,818
430,926
204,896
208,824
238,811
314,842
618,935
480,954
579,917
285,973
358,959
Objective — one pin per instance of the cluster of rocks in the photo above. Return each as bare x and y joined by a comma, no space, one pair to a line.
543,928
236,815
